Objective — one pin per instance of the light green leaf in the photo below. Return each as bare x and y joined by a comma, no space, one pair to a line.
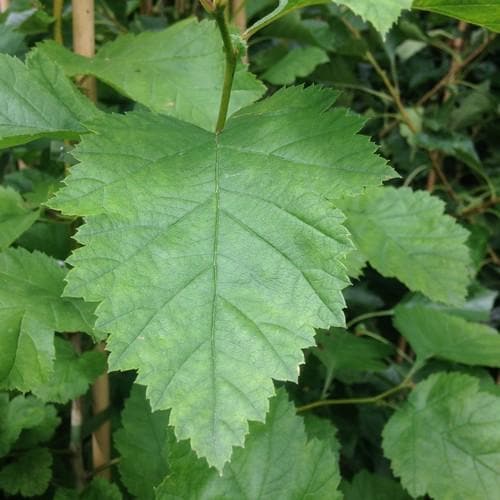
215,257
404,234
283,8
445,441
28,474
31,309
433,333
483,12
381,13
72,375
28,415
37,100
298,62
276,462
178,71
343,353
143,439
368,486
15,217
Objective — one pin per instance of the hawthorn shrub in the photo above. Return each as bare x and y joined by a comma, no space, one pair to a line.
286,308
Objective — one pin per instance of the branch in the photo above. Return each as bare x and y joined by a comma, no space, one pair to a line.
405,384
455,68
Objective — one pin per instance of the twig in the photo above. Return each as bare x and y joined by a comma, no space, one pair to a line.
104,467
455,69
57,14
230,67
405,384
76,421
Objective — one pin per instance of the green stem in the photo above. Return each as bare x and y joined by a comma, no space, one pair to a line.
229,70
376,314
405,384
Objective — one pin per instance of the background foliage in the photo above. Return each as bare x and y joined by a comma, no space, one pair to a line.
402,400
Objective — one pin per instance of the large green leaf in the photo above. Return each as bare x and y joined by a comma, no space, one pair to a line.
277,462
28,474
145,439
178,71
215,257
15,217
445,441
37,100
31,310
434,333
72,375
483,12
404,234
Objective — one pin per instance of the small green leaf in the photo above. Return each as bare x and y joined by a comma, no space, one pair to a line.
143,439
381,13
178,71
445,441
72,375
277,462
37,100
215,256
31,309
15,217
482,12
343,353
404,234
98,489
433,333
298,62
28,474
368,486
27,415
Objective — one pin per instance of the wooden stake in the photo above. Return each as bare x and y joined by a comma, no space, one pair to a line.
84,44
84,40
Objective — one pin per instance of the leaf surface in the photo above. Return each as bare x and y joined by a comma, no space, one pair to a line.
31,310
277,462
37,100
15,217
214,257
445,440
178,71
483,12
434,333
404,234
